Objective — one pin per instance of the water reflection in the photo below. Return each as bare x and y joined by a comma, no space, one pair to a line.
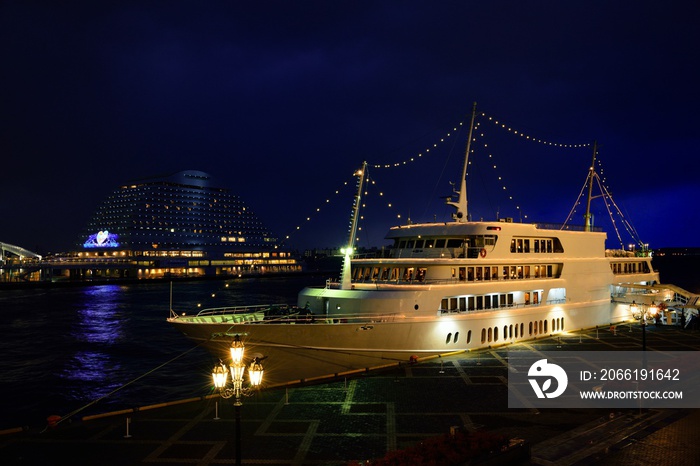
100,324
101,318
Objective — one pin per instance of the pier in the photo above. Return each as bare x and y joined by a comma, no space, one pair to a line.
346,420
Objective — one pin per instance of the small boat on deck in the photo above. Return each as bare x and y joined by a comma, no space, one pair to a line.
442,287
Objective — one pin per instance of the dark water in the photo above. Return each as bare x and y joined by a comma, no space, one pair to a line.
102,348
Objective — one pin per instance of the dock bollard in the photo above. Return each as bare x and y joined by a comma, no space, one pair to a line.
216,411
128,421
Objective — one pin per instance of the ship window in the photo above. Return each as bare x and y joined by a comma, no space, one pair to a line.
456,337
510,299
522,329
395,273
483,335
536,297
375,273
420,276
443,304
487,302
487,273
545,326
419,244
385,273
562,323
490,334
453,304
512,272
526,245
520,245
470,274
520,272
549,245
527,298
409,244
429,243
536,243
549,270
502,300
512,245
402,244
471,303
530,328
462,304
527,271
439,243
449,337
479,302
462,274
469,336
494,273
478,273
495,334
505,332
505,272
454,243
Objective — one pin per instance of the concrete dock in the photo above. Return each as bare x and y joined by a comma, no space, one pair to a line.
360,418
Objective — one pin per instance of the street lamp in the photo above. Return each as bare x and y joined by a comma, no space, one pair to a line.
237,390
652,310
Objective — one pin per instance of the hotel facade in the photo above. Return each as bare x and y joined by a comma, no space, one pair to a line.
179,225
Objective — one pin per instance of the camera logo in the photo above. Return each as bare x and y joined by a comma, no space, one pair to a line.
547,371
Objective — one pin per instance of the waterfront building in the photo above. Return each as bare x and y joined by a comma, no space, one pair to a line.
179,225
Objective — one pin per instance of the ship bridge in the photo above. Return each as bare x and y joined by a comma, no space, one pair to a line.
10,250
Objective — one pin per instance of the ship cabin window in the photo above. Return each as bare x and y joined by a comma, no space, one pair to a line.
402,244
483,335
439,243
429,243
454,243
385,273
420,274
419,244
526,246
462,274
409,244
462,304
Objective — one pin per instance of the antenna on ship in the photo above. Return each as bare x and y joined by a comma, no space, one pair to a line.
591,175
346,282
461,204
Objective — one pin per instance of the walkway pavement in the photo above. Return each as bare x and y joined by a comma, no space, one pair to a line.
341,422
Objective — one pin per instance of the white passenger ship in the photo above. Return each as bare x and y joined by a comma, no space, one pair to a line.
444,287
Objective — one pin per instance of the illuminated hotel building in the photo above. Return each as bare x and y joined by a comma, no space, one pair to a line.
177,225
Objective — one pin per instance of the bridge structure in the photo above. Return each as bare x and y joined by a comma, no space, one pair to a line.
10,250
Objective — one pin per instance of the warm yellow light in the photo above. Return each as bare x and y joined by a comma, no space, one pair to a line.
237,349
219,376
255,372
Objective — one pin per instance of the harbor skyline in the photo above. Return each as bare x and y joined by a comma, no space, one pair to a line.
283,102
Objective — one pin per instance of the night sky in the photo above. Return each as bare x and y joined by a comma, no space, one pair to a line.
282,101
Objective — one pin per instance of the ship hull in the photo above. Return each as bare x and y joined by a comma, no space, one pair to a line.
328,348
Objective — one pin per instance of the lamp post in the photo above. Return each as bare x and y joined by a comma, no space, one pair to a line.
642,316
237,390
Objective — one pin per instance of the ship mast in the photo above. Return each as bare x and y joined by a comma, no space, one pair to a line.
346,278
591,176
461,204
